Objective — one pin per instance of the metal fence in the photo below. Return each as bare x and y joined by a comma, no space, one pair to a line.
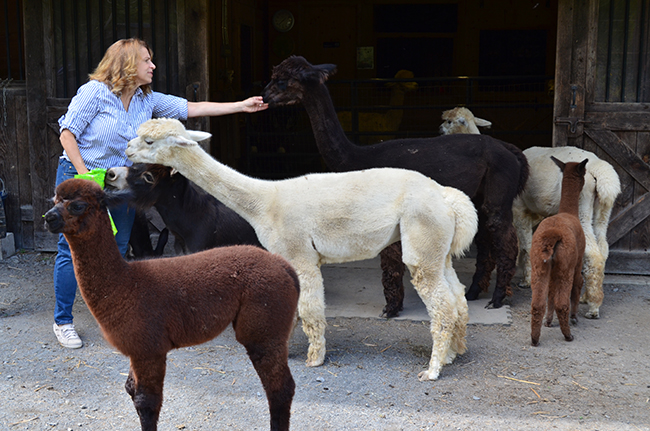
280,142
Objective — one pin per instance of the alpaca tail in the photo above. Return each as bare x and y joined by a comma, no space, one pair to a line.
544,246
524,169
608,187
466,220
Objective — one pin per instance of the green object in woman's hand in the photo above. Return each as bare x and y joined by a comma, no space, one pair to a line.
98,175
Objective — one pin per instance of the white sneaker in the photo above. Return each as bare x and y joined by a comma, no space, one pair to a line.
67,336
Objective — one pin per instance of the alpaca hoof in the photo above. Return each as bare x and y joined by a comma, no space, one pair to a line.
574,320
569,338
523,285
548,324
592,315
315,363
428,375
534,343
494,304
471,296
389,312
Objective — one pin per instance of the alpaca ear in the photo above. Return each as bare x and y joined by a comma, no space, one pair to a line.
182,141
319,73
560,164
198,135
482,123
582,168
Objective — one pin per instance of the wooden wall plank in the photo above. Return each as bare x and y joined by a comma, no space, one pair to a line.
631,121
628,262
627,220
618,150
36,80
640,234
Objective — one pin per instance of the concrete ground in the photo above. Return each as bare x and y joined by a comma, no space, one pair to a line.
354,289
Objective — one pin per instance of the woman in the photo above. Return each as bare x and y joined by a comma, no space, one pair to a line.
101,119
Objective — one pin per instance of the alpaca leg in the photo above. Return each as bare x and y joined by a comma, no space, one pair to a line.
539,287
270,362
523,224
562,304
458,345
594,272
484,261
438,297
145,385
550,308
392,279
504,249
575,293
311,309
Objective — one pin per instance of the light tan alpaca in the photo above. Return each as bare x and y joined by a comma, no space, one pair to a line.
461,120
388,121
541,198
339,217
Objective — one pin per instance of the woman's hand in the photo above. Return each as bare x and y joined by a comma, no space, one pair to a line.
254,104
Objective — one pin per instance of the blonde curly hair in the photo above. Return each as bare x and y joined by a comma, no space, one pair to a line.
119,66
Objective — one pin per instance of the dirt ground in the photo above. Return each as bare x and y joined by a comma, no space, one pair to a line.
600,381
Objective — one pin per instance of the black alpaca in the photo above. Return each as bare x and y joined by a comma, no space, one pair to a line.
198,220
490,171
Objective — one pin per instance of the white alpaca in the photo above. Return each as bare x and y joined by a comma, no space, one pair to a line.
541,198
339,217
461,120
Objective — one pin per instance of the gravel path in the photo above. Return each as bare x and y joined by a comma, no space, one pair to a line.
601,381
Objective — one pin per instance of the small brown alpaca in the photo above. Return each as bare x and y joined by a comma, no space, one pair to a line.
556,258
146,308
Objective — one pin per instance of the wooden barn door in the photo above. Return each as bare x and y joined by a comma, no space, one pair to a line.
602,104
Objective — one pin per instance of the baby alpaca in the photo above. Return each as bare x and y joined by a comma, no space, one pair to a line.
147,308
556,257
541,198
339,217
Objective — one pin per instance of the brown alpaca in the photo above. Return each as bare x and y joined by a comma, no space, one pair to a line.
147,308
556,258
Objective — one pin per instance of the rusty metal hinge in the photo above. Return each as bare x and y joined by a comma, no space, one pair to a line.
572,122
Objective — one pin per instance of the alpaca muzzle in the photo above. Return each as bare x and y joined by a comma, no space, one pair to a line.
54,221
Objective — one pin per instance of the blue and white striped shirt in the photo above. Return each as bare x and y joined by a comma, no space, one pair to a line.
103,128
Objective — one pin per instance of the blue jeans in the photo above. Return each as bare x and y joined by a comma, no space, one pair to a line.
65,283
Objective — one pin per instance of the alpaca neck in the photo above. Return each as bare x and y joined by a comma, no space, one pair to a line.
569,200
249,197
99,266
333,144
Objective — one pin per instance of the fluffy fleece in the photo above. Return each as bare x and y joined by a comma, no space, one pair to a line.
328,218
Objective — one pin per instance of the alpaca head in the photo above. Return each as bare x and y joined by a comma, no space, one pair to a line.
159,139
461,120
294,77
78,204
145,180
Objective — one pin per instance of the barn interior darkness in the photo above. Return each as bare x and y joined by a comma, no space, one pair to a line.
495,57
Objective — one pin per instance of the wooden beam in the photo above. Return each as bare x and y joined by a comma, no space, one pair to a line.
623,120
619,151
628,219
628,262
36,92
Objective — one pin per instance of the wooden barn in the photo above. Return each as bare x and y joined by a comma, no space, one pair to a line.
545,72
